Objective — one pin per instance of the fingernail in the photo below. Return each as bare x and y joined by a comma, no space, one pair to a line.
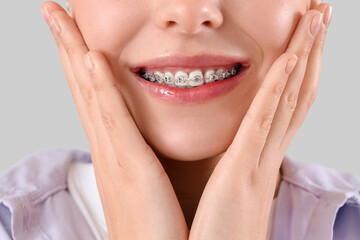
328,16
89,62
55,24
291,65
316,24
46,11
45,14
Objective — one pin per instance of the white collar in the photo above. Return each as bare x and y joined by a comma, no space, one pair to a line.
83,189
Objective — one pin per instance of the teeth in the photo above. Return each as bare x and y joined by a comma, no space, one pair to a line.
220,74
169,79
196,78
210,76
191,80
159,77
181,79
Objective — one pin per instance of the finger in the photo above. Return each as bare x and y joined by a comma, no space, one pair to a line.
301,43
51,7
128,143
76,50
251,136
310,84
81,106
68,33
46,8
69,38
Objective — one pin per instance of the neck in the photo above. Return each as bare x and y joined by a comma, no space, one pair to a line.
189,179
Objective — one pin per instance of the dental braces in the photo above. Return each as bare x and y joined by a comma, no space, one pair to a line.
195,81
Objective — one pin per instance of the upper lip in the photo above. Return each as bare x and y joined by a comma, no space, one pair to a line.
197,61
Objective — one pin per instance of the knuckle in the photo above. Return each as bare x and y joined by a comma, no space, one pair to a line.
87,95
251,116
98,86
278,89
307,47
311,98
266,122
70,49
108,121
291,101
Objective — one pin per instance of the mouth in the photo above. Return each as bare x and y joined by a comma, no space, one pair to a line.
190,79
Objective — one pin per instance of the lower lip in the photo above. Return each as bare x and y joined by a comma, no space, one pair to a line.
195,95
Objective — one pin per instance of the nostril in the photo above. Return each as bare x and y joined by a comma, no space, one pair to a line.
171,23
188,16
207,23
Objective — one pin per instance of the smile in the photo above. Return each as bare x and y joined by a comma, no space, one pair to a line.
190,80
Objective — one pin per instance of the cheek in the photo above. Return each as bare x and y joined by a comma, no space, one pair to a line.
105,24
271,23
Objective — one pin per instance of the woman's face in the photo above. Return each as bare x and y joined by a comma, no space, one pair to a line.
135,33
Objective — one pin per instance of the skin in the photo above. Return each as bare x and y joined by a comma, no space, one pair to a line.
222,189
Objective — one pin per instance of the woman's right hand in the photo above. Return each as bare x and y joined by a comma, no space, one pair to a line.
138,199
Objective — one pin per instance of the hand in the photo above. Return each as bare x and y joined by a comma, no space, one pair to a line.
136,194
237,199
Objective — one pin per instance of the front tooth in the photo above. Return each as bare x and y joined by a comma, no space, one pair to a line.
196,78
169,79
159,77
181,79
220,73
210,76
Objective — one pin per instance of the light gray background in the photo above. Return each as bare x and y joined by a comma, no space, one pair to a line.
37,110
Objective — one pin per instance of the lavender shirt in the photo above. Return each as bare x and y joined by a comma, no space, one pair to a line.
313,203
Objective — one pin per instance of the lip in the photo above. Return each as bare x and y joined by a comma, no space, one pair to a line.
198,61
195,95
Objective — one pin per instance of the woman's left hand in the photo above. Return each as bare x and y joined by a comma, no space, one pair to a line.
237,199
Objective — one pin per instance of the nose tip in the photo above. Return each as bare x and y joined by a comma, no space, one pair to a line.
189,16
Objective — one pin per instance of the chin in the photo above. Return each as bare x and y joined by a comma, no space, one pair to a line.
188,153
185,146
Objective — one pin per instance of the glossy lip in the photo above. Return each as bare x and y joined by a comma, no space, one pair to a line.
192,95
198,61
